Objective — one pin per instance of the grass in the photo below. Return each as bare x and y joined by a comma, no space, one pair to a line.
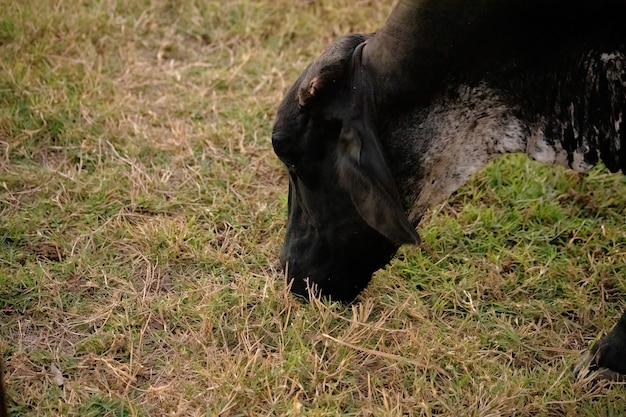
142,210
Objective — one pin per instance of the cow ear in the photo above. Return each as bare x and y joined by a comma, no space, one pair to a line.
364,173
309,89
325,74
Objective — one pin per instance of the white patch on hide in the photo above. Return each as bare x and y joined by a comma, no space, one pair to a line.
606,57
468,133
579,164
538,148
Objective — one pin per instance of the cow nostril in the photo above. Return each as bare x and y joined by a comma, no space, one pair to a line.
282,257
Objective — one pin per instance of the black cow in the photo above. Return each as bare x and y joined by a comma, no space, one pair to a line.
382,126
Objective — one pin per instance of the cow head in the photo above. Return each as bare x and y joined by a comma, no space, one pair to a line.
345,215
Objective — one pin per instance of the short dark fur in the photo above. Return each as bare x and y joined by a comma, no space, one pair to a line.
609,351
365,130
343,201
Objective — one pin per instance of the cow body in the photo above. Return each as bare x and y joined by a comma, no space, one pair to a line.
381,127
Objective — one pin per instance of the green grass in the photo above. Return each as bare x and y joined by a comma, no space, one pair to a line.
142,210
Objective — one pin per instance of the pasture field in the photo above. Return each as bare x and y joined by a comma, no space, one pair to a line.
142,210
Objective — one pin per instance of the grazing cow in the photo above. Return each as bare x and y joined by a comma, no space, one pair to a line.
383,126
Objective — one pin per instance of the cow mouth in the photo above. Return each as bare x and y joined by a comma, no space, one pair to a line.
338,277
334,287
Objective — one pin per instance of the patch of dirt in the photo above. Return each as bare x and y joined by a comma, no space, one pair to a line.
584,201
48,251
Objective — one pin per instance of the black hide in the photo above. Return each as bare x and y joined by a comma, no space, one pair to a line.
392,123
345,216
547,62
610,351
